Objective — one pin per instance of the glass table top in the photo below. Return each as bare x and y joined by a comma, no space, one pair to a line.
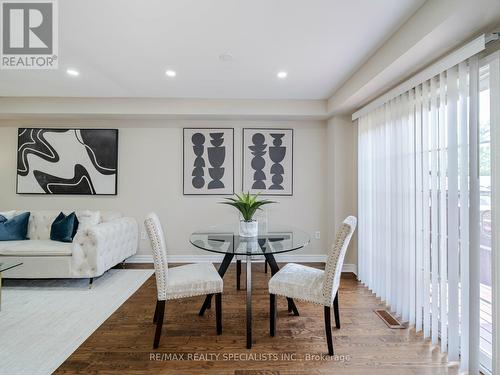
4,266
226,239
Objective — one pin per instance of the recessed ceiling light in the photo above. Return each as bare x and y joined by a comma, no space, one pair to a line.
170,73
73,72
282,74
226,56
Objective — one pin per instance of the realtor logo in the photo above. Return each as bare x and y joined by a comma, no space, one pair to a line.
29,34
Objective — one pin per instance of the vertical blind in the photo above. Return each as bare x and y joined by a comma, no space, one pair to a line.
495,175
414,183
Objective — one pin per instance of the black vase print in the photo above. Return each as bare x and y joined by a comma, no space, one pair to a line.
277,154
81,183
198,140
258,163
216,157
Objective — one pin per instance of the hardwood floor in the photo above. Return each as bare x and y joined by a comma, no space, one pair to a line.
189,344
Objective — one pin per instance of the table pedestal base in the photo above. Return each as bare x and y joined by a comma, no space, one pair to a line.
249,301
222,270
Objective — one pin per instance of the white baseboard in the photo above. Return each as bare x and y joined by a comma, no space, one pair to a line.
350,267
298,258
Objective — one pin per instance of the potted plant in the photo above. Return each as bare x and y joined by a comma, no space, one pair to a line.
247,204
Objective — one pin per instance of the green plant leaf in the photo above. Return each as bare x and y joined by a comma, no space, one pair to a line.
247,204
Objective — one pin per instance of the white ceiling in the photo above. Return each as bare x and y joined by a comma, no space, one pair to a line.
123,47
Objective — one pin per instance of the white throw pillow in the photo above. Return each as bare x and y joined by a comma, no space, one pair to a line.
87,219
8,214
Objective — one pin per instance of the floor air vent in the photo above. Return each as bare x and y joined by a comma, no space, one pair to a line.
389,319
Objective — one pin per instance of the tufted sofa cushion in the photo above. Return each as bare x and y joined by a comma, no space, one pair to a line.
35,248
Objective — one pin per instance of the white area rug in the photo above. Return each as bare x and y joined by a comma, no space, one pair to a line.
43,321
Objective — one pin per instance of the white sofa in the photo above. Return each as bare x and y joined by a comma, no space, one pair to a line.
104,239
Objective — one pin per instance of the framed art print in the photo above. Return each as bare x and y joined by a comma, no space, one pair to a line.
67,161
268,161
208,161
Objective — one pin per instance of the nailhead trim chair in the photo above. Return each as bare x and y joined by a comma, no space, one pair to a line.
313,285
179,282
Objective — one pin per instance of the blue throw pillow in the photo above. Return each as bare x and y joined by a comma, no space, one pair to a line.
64,228
15,229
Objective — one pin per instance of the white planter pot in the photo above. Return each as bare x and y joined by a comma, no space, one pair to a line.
249,228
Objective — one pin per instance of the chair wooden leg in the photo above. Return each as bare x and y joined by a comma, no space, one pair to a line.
218,312
206,304
159,323
265,266
272,314
336,310
238,274
155,317
328,330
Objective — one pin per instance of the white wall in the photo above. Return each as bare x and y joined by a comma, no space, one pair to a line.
341,140
150,179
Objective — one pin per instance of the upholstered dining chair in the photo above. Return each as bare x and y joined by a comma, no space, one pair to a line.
313,285
179,282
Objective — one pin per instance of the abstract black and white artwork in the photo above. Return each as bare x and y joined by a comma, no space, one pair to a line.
268,161
208,161
67,161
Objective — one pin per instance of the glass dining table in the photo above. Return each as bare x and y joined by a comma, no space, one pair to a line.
270,241
5,266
